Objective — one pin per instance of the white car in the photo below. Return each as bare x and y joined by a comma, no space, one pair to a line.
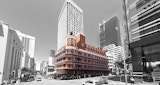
89,82
94,82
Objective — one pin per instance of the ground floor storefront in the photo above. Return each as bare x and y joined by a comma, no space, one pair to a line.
146,55
27,74
73,73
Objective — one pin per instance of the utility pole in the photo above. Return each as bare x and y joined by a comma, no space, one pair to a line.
127,30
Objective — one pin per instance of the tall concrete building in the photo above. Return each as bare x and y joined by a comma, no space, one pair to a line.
51,58
52,52
110,32
44,67
28,43
11,51
111,41
144,32
70,20
27,62
114,54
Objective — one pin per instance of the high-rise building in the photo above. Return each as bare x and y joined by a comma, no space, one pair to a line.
44,67
52,53
51,58
11,51
144,32
111,41
70,20
27,62
114,54
110,32
28,43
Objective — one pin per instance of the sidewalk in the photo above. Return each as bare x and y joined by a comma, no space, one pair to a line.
111,82
115,80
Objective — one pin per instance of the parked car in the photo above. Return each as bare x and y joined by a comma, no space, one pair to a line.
31,78
104,80
39,79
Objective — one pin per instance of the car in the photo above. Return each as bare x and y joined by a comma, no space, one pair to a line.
104,80
157,79
94,82
89,82
49,78
31,78
39,79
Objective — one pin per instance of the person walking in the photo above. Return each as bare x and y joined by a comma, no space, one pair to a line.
21,77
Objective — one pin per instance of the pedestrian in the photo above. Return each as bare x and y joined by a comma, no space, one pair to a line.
22,77
132,80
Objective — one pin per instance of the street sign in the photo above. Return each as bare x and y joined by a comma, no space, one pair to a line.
156,77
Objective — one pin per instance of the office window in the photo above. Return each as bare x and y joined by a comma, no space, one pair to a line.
141,3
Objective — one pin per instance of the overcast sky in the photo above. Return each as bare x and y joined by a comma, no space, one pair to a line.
39,18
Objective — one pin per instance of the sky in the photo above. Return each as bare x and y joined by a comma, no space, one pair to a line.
39,18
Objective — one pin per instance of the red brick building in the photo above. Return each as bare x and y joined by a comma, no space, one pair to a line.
77,58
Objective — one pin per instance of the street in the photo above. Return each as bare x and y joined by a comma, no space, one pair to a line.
76,82
67,82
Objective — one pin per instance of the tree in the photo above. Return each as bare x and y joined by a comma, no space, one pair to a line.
119,64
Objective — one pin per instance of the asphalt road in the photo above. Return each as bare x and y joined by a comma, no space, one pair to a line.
58,82
75,82
67,82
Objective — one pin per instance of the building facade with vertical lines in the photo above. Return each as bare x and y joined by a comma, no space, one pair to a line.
144,33
109,32
27,62
11,51
70,20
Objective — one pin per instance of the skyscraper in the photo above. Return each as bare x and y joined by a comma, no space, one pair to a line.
51,58
110,32
144,32
28,43
70,20
110,40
